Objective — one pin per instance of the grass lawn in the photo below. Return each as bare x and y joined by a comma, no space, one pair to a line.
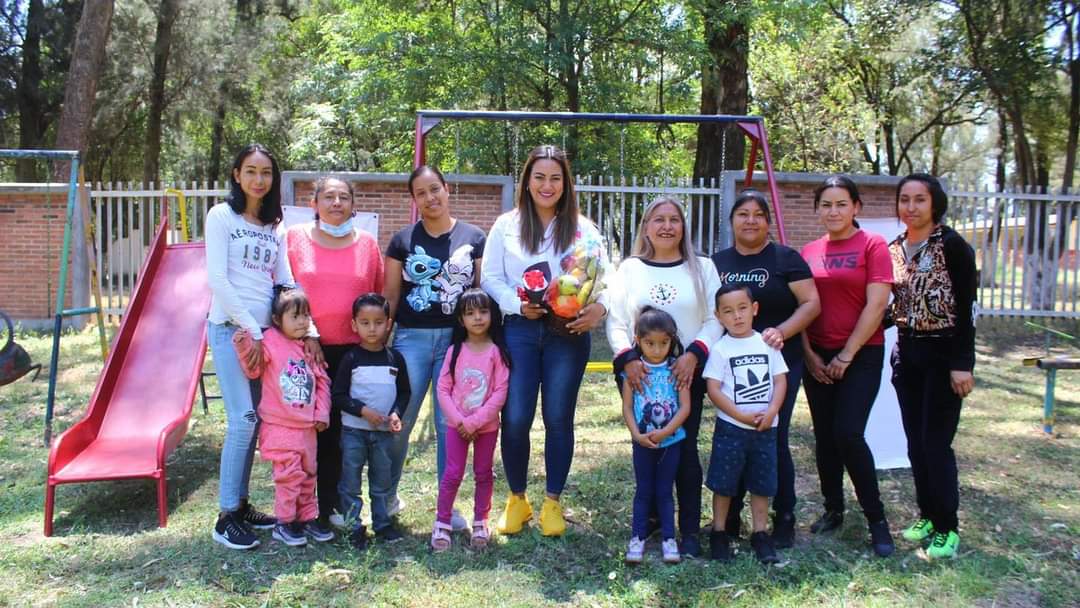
1020,518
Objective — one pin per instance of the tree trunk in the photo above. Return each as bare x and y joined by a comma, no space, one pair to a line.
1074,102
724,86
87,58
162,45
32,121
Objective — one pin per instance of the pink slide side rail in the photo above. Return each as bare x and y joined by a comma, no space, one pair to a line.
161,329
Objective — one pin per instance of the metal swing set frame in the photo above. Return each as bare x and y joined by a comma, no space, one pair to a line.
753,127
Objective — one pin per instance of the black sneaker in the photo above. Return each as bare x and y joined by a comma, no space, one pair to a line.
829,521
690,545
254,518
317,531
719,546
783,530
291,534
231,532
358,538
763,548
880,539
389,535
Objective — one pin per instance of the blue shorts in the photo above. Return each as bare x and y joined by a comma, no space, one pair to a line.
742,454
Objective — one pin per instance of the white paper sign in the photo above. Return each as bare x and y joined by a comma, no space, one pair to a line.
885,430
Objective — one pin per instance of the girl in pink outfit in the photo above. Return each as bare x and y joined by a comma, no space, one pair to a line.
295,405
472,391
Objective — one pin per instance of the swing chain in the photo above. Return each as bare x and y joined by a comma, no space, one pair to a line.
622,154
457,158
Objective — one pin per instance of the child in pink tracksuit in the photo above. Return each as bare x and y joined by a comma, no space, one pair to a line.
471,390
295,405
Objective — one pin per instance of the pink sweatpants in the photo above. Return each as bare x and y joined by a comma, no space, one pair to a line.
292,454
457,454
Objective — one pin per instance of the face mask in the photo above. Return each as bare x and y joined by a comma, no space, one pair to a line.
345,229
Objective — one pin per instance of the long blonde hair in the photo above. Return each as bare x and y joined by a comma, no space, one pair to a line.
644,249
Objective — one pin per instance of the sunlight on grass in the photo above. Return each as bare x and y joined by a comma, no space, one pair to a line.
1019,497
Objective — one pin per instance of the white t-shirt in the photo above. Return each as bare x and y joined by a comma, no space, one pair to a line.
505,259
745,368
243,263
669,287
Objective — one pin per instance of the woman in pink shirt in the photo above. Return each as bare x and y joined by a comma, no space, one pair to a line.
334,262
844,350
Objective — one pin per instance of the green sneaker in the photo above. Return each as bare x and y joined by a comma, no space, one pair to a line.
919,531
944,546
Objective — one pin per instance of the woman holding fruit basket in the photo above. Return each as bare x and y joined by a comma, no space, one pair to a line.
544,264
664,272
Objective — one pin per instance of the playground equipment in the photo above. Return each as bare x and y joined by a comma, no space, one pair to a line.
752,127
1051,365
74,177
14,360
141,407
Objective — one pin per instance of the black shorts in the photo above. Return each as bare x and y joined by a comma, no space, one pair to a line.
745,454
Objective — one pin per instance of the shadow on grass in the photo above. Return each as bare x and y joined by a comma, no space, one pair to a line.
124,507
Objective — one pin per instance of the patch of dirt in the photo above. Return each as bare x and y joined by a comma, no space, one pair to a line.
1013,597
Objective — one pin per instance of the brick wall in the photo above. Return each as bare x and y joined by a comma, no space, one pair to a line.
32,237
801,224
478,204
31,231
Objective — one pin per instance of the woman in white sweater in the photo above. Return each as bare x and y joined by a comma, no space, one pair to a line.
664,272
245,259
544,227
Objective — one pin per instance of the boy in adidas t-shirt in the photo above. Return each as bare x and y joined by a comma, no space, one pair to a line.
746,380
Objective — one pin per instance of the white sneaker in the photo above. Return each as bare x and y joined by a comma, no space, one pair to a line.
458,522
337,520
670,547
635,552
396,506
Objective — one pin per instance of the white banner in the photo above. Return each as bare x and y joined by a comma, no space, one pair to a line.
885,430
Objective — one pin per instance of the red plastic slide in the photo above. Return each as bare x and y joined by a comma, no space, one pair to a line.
142,404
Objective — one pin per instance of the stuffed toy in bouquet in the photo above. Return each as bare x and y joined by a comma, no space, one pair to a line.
578,284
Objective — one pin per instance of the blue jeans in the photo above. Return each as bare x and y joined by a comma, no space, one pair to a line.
241,396
360,447
424,350
654,472
551,365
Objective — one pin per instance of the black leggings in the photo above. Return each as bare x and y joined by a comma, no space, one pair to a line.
931,411
839,412
328,451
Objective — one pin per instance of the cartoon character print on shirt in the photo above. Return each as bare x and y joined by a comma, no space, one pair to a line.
476,385
752,381
297,383
663,294
456,276
420,269
656,415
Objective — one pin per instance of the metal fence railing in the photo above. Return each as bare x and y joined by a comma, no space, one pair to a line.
125,216
1026,246
616,205
1027,243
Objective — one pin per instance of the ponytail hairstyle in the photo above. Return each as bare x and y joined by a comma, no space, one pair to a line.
469,300
652,319
287,299
843,182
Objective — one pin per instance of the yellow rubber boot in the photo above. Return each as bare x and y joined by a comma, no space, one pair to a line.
552,522
516,514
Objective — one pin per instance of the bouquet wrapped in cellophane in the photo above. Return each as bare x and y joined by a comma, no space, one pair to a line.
578,284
